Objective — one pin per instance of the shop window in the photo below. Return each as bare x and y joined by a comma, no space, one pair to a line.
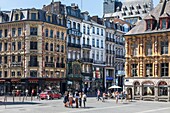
162,89
148,89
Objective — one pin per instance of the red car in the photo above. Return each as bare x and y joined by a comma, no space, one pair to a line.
49,95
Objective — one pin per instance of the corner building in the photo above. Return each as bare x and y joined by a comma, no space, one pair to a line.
147,56
32,50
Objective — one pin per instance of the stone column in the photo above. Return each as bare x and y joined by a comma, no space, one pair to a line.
141,92
156,93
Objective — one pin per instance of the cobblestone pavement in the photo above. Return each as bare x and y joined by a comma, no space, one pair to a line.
93,106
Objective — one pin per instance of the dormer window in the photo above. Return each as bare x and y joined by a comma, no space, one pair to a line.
16,17
33,16
49,18
164,20
148,24
163,23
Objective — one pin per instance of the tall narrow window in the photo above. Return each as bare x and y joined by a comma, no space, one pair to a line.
46,33
84,29
19,45
93,30
33,45
62,36
51,47
49,18
88,30
13,32
69,39
0,33
134,49
51,33
149,48
13,46
78,27
16,17
88,42
6,32
163,23
0,46
148,70
19,31
74,25
69,24
101,32
148,25
97,31
98,43
83,40
164,69
93,42
134,70
164,47
101,43
58,34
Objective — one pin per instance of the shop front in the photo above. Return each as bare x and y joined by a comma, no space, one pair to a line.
148,89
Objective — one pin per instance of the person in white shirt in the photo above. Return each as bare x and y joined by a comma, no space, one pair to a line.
84,98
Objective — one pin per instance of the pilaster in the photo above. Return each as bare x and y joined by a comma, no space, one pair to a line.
156,93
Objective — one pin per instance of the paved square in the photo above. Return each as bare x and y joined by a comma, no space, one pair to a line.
93,106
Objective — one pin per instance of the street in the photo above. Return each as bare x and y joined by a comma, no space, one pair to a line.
93,106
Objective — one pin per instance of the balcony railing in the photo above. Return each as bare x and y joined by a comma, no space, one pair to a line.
74,45
16,64
86,46
98,62
60,65
33,63
87,60
49,64
74,32
120,56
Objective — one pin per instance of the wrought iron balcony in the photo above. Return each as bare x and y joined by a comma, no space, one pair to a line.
87,60
49,64
74,32
60,65
33,63
16,64
74,45
86,46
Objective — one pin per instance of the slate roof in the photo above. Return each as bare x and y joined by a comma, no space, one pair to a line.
162,9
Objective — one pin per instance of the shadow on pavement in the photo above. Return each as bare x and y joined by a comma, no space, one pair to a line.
18,103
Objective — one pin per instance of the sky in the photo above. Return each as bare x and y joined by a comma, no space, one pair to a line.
94,7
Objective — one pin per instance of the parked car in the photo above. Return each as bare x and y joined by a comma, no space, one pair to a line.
50,95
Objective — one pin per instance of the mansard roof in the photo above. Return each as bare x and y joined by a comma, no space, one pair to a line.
162,9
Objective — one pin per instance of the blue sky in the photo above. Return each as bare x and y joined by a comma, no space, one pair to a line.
94,7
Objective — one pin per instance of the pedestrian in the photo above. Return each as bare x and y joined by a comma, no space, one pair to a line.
117,96
104,96
98,95
26,93
84,98
80,99
65,101
76,99
71,100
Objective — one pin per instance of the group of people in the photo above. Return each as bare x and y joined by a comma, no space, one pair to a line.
112,95
77,98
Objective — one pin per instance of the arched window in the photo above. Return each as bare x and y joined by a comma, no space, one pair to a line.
62,48
58,48
162,89
148,88
136,88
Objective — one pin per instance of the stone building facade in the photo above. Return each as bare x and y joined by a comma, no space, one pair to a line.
32,50
147,56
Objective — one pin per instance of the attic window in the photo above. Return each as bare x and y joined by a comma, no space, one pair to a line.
148,22
16,17
163,23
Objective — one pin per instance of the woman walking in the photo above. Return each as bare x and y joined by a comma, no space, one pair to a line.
84,98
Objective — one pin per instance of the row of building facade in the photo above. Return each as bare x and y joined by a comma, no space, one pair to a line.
59,47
